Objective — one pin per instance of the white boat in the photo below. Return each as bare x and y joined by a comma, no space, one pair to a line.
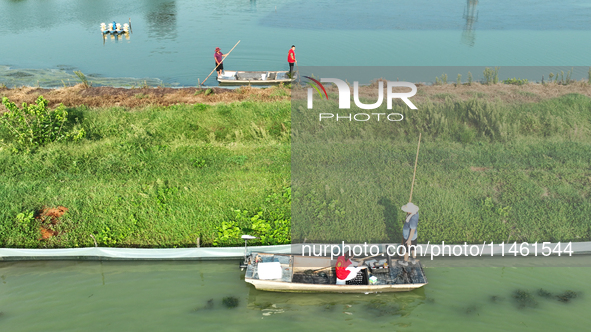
303,274
255,77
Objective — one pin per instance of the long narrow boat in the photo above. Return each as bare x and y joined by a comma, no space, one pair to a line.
303,274
254,78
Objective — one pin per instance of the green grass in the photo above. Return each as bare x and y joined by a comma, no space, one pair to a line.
165,176
158,177
531,191
487,171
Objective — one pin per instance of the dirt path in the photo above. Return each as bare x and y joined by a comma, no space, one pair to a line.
107,96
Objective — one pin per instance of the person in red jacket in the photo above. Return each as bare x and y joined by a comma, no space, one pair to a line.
344,271
291,58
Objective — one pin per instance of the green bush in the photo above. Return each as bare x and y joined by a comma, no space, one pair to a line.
35,125
516,81
271,224
491,76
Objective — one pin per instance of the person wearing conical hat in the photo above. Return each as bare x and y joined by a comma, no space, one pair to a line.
409,231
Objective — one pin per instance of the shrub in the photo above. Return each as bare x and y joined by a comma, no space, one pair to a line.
271,224
35,125
516,81
491,76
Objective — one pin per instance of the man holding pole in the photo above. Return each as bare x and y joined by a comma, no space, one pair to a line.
409,231
219,65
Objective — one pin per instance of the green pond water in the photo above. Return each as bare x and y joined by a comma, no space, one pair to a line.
173,41
462,295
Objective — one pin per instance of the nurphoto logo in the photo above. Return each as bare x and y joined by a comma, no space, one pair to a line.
345,93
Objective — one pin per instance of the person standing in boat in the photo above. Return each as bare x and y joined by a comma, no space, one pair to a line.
409,232
291,59
347,274
219,65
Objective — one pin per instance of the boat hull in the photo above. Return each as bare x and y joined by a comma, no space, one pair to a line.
257,78
279,286
253,82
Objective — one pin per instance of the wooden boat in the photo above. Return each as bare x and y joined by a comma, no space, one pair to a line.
254,77
303,274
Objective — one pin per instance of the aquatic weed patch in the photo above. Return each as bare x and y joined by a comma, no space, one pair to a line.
524,299
230,302
544,293
379,308
567,296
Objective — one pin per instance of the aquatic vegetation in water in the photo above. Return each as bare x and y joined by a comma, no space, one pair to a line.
19,74
472,309
524,299
329,306
381,308
230,302
65,74
496,298
264,305
566,296
544,293
208,305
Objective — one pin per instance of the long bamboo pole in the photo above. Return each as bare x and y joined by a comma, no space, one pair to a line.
298,71
224,58
415,171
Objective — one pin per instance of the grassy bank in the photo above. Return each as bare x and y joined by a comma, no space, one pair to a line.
488,170
497,163
152,177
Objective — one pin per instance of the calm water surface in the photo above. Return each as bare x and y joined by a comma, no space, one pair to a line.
174,296
173,41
